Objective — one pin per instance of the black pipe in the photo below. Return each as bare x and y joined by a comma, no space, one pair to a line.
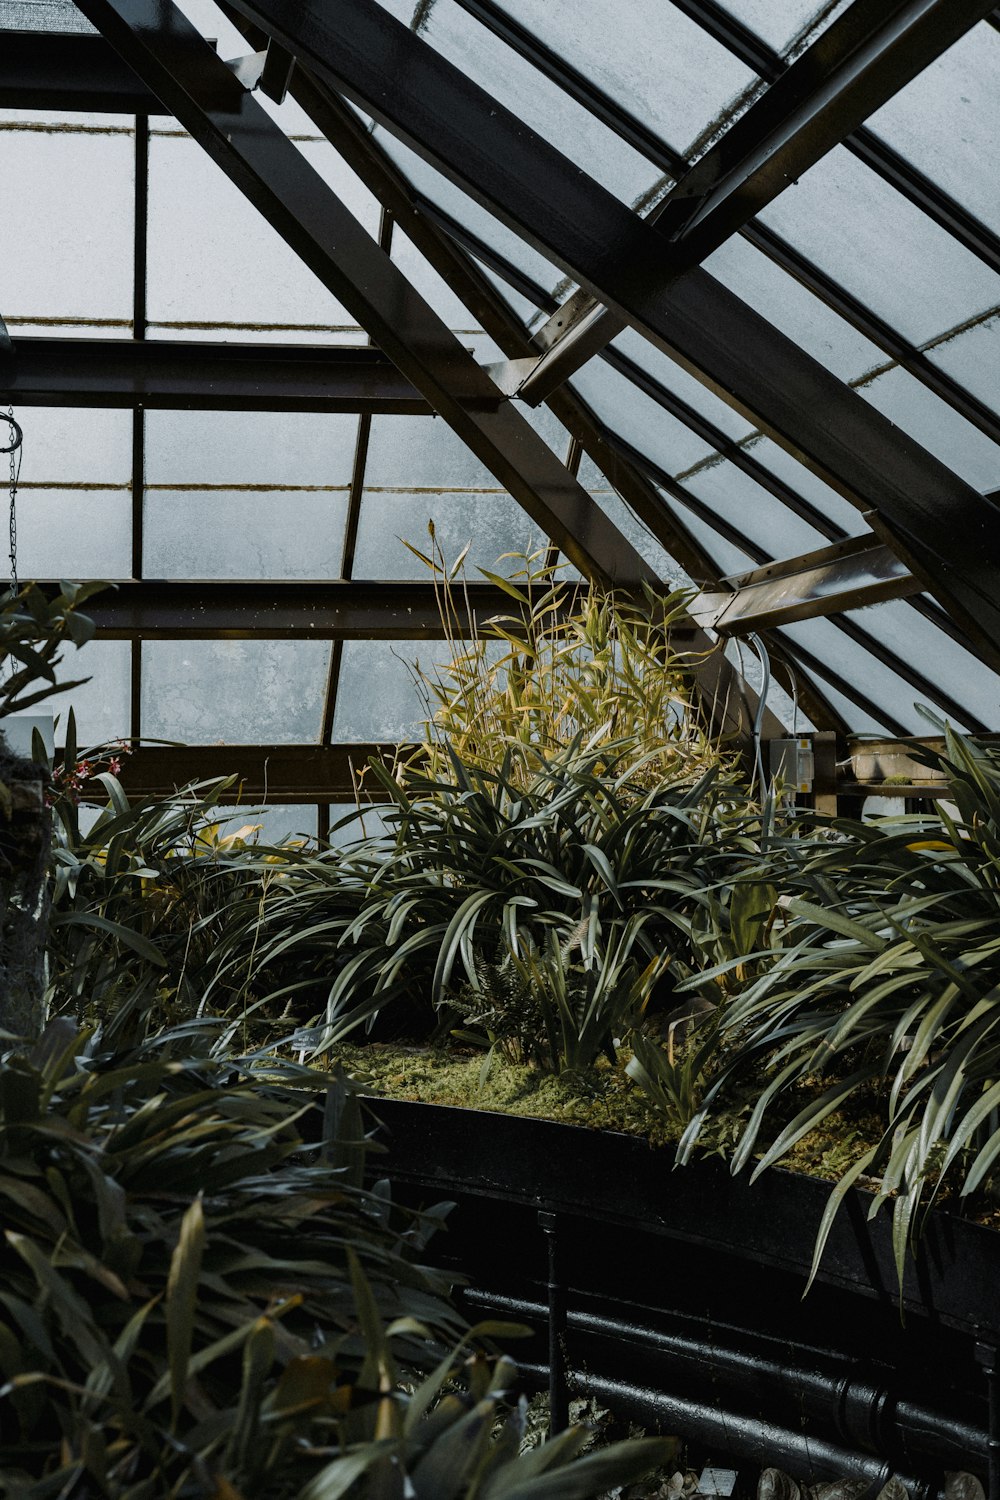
736,1436
854,1405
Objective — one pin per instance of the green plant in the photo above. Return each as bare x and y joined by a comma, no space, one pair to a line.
570,665
167,1226
144,894
196,1301
565,894
885,985
34,629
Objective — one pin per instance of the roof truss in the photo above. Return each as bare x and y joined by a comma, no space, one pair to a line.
162,47
947,528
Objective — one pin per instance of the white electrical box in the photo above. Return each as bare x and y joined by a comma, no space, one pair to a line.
792,763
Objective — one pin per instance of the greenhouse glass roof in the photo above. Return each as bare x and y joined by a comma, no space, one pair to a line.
683,291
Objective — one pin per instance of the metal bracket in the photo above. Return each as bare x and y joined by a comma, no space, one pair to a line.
986,1355
558,1394
572,335
270,71
6,346
847,575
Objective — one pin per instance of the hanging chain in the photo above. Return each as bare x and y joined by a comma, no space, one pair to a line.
13,448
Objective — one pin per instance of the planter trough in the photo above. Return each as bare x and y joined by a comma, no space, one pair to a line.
676,1297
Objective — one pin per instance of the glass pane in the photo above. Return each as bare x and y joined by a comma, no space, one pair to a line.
73,534
808,485
488,524
939,658
414,453
458,206
850,222
786,25
87,122
540,103
670,573
857,719
101,705
235,534
42,15
215,262
265,449
432,287
936,427
973,359
237,692
763,520
656,62
788,305
74,447
66,231
638,419
380,695
274,824
729,560
670,375
852,662
946,122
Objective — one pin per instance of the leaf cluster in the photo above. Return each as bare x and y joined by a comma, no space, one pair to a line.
883,984
34,628
144,895
195,1302
571,663
543,905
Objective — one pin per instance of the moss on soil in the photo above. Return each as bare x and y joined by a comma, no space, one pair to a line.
601,1098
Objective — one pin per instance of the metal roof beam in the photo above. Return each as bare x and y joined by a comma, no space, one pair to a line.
864,57
893,168
614,113
849,575
271,773
169,375
69,71
947,527
165,50
299,609
859,62
159,609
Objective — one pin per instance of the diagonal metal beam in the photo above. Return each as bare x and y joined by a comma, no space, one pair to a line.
728,701
948,528
162,47
848,575
208,377
717,679
864,57
893,168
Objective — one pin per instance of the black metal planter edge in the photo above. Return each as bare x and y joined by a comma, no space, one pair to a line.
569,1172
954,1279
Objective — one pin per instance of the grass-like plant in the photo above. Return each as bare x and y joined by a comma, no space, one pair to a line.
200,1300
570,664
144,893
559,895
164,1220
884,987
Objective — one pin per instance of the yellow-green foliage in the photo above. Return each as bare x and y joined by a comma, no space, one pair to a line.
570,664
